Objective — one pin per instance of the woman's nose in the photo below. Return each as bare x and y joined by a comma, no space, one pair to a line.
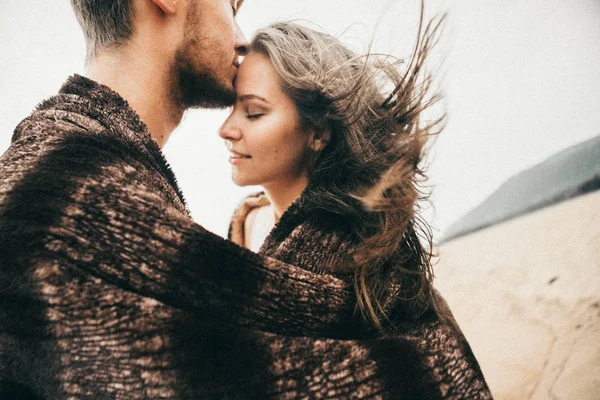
230,132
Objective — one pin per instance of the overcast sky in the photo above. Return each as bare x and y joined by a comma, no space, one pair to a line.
521,82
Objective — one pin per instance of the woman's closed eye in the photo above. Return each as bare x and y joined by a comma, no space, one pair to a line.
254,114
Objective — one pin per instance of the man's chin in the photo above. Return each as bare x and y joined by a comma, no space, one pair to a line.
216,98
201,91
210,103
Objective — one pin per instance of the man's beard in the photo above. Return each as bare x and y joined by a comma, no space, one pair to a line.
194,88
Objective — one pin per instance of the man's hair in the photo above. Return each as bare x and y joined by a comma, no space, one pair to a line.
104,22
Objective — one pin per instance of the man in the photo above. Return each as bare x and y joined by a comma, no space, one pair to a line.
109,290
163,56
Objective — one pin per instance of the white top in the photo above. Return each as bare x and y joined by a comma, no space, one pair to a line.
259,223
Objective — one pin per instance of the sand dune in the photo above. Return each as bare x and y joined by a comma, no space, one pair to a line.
527,294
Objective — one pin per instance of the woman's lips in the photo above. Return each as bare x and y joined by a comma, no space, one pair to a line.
236,154
235,157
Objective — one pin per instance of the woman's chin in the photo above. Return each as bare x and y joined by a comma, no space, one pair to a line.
241,182
246,179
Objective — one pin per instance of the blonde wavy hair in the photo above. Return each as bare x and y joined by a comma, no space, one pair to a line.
369,107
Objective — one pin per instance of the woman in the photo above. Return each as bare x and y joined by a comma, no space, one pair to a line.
338,158
311,123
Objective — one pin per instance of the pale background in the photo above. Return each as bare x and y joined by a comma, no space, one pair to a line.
521,80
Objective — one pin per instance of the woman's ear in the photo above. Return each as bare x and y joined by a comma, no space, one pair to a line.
167,6
320,140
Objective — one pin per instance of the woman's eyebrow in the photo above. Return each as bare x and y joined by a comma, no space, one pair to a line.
249,96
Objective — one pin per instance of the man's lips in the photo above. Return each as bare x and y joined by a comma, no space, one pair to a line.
236,63
236,68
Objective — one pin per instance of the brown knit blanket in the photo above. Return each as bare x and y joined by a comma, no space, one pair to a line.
108,290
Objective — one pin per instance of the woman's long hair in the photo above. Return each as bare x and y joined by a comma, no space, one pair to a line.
370,109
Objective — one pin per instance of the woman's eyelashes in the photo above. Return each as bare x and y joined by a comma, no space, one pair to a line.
254,114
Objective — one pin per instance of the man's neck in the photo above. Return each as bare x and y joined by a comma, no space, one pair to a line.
144,84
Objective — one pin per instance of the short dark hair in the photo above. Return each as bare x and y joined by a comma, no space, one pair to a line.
104,22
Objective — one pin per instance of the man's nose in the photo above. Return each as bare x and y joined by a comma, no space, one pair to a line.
241,44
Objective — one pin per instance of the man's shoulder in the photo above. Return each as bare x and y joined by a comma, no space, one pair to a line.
87,130
82,106
63,130
49,122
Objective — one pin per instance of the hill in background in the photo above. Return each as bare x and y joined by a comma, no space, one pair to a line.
565,175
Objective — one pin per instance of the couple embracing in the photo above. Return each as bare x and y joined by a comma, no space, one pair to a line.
324,288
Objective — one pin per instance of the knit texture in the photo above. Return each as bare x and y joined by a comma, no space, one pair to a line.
108,290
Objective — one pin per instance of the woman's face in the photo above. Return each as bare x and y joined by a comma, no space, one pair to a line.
263,135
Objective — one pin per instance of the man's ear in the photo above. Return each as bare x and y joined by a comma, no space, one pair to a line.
167,6
320,140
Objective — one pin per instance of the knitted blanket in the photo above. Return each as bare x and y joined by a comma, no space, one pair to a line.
108,290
